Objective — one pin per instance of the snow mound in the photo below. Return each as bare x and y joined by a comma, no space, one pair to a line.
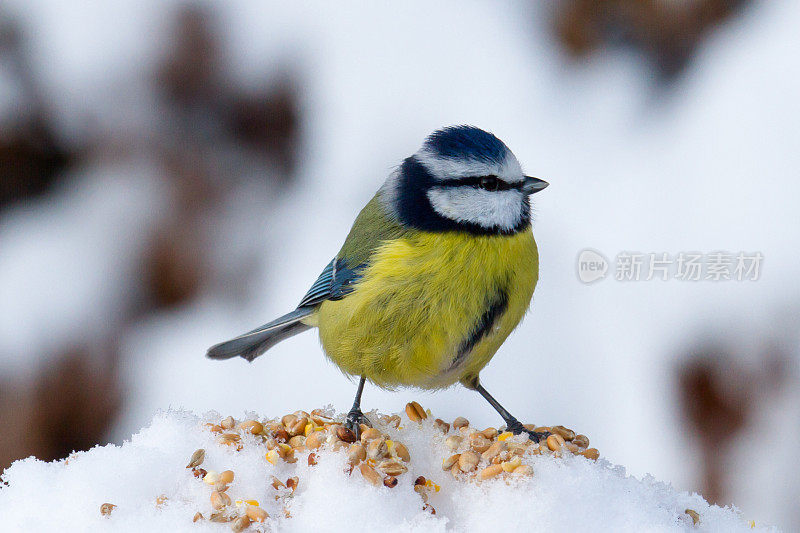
300,473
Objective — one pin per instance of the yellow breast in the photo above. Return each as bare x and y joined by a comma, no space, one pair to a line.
431,308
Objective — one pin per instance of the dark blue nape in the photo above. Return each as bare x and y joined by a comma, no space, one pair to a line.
467,142
415,209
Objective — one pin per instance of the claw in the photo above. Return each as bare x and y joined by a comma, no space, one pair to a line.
354,420
516,428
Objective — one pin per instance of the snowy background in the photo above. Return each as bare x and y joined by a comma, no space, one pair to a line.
205,161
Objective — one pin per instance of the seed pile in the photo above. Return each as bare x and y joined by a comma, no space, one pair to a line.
469,455
491,452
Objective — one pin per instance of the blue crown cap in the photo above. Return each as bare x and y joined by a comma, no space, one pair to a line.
467,142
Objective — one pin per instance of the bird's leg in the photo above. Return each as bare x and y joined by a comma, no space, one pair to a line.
355,417
512,424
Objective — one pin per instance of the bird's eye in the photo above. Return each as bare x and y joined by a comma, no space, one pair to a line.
489,183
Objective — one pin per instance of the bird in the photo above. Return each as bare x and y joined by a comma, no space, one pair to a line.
437,270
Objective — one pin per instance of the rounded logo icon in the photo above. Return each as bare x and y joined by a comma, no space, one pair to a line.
592,266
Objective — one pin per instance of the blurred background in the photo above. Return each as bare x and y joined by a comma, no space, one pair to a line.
174,173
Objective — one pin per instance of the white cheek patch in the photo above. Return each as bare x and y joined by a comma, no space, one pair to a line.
443,168
488,209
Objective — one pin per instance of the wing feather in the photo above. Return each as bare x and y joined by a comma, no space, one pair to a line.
335,282
321,288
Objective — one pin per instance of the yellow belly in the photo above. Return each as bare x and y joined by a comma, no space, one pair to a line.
418,301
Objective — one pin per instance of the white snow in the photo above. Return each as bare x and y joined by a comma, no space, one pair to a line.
569,493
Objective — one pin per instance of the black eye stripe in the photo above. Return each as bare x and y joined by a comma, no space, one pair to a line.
475,181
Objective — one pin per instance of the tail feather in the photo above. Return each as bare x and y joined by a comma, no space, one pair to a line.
254,343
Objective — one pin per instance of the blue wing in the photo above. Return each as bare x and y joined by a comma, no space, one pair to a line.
335,282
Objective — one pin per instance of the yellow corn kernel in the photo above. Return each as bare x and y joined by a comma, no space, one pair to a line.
240,503
390,448
510,466
273,456
308,429
504,435
431,485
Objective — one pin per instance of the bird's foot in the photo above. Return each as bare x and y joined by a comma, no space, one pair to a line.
516,428
354,420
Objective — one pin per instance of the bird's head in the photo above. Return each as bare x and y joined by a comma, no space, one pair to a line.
463,178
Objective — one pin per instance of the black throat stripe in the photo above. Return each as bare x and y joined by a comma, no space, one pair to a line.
497,307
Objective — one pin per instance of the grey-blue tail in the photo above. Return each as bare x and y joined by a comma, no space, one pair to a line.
252,344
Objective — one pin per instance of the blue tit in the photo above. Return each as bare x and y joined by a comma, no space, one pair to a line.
437,270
